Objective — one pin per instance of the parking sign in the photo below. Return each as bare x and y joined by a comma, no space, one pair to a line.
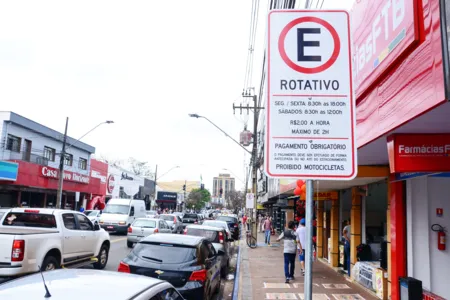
310,121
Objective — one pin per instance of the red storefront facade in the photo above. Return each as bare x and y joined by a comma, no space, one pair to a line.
36,186
403,121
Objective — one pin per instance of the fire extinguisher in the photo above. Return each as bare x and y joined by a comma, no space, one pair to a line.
441,235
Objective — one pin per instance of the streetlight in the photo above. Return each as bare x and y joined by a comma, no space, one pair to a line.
226,134
225,169
63,156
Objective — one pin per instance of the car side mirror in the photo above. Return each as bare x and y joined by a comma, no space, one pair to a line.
96,227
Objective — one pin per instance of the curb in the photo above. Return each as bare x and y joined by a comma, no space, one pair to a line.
237,273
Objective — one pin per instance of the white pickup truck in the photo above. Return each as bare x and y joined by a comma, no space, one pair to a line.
33,238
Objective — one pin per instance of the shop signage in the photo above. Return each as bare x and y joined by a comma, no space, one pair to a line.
383,30
323,196
68,176
125,176
8,170
167,196
310,105
424,153
110,184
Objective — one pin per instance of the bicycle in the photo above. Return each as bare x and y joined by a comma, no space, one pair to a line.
251,240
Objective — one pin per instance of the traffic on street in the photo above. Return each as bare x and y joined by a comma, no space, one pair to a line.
198,262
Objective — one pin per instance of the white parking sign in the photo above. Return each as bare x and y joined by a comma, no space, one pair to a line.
310,121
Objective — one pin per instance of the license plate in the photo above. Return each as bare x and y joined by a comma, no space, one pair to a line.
109,227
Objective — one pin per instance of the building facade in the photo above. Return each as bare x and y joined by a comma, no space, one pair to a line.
223,185
31,152
177,186
401,77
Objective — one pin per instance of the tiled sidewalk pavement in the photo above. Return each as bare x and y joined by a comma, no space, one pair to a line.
262,277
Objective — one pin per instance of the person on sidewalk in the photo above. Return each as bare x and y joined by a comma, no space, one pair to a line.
301,234
244,221
346,234
290,249
267,230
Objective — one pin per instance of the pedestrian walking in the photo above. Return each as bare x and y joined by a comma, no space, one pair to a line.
346,235
244,221
267,230
301,234
290,249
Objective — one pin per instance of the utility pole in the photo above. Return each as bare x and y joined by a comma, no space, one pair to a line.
184,196
254,158
61,168
156,176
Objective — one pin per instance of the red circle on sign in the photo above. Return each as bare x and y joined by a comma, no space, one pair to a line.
321,68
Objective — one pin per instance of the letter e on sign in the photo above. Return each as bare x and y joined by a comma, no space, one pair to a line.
310,109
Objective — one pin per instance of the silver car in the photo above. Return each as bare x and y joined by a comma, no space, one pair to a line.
95,285
174,222
143,227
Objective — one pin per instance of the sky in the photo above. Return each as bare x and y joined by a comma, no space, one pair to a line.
145,65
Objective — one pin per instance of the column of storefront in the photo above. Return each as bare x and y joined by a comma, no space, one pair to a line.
320,229
335,234
355,227
388,237
397,237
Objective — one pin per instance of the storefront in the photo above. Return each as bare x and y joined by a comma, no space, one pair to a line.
98,199
36,185
167,200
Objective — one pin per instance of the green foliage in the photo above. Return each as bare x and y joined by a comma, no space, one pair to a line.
198,198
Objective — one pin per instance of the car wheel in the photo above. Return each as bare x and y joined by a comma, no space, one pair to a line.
129,244
224,270
50,263
102,258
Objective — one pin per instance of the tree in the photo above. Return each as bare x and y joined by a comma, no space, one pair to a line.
198,198
140,168
235,200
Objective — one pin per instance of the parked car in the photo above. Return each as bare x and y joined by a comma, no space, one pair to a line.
219,224
174,222
190,218
93,215
189,263
233,225
94,285
46,239
218,237
144,227
119,214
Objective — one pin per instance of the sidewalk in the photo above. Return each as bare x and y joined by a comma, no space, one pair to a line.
262,277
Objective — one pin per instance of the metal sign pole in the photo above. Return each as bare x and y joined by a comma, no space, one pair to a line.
309,235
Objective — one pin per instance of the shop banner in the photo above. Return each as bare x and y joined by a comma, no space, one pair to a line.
424,153
68,176
100,170
383,30
8,171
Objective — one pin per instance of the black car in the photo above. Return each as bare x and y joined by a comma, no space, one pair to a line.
189,263
233,225
218,237
189,219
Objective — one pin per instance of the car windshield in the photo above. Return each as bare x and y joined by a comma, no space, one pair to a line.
30,220
190,216
227,219
166,218
151,212
165,253
210,235
145,223
119,209
91,213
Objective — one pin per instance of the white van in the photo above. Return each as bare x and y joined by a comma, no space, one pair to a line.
119,214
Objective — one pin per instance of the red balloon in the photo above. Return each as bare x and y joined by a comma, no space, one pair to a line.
297,191
303,188
300,183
